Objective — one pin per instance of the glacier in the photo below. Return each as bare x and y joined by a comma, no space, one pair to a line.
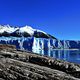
24,43
33,43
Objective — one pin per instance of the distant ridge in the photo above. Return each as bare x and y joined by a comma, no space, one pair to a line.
26,31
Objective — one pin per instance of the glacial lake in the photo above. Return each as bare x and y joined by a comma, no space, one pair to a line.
67,55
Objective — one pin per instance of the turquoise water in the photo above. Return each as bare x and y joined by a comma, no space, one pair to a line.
68,55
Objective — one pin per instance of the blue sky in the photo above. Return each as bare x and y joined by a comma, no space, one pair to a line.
60,18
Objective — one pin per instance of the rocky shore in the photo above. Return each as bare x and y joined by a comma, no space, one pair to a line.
24,65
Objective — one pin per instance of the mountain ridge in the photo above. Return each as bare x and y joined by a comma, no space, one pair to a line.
26,31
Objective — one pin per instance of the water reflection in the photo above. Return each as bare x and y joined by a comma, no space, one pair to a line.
68,55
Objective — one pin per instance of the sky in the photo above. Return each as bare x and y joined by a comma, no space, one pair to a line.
60,18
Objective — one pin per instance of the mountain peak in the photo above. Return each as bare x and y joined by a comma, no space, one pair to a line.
26,31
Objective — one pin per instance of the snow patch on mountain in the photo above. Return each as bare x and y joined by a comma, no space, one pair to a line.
7,28
28,31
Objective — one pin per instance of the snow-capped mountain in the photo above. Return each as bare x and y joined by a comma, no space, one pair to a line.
26,31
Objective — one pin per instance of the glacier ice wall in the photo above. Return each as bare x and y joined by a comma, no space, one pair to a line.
32,43
36,44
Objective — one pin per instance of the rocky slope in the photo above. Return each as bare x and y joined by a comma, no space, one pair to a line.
22,65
